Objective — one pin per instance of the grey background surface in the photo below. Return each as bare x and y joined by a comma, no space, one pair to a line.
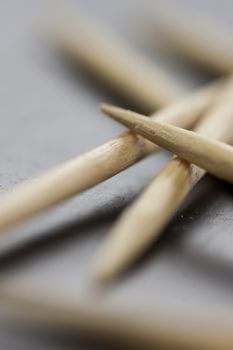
49,114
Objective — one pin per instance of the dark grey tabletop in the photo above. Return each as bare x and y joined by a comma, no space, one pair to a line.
49,114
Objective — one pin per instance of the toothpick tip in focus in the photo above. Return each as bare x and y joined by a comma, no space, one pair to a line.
109,109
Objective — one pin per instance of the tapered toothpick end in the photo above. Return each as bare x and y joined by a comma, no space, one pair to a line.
109,261
112,111
101,274
123,116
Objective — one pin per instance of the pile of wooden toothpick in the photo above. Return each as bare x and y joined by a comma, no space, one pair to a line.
208,111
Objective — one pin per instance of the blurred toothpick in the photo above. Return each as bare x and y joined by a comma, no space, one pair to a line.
201,40
142,82
130,328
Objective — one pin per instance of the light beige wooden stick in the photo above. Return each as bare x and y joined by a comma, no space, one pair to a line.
142,82
83,172
129,328
213,156
196,37
142,223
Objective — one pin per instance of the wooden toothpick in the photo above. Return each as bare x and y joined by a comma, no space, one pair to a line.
213,156
68,179
142,223
197,38
81,173
132,328
142,82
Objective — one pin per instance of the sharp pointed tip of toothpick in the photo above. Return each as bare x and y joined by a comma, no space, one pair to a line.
119,114
102,106
109,109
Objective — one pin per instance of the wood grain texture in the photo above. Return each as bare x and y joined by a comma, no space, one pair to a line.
83,172
142,223
213,156
112,61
